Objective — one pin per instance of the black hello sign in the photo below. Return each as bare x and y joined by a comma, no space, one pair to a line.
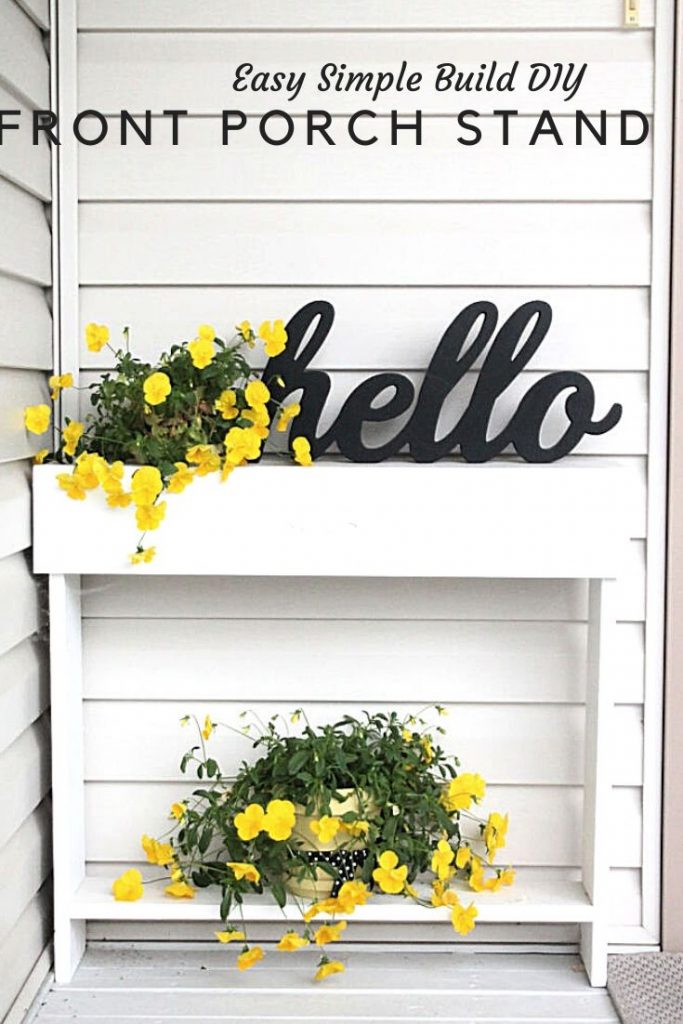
465,339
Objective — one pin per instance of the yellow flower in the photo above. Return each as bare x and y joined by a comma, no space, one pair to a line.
351,895
39,457
256,393
121,500
442,896
226,404
274,336
327,968
142,555
247,332
37,418
249,957
157,853
462,918
329,933
178,811
202,351
325,828
150,517
301,447
231,936
96,337
128,887
71,435
246,871
89,469
249,822
58,382
476,880
495,832
108,476
463,857
507,877
461,791
260,418
356,828
407,736
181,479
206,332
287,414
146,485
208,728
70,483
205,457
242,444
442,859
181,890
291,941
279,820
157,388
389,876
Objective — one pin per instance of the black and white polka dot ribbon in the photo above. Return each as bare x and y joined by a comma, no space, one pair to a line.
345,862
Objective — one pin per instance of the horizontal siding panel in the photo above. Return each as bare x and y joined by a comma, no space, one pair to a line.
543,662
195,71
39,10
24,689
512,744
23,60
508,244
25,326
19,388
439,169
15,507
117,815
25,244
20,161
22,947
27,763
21,615
614,333
348,15
25,860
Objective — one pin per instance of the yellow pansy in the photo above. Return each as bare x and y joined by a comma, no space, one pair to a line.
90,469
121,500
356,828
259,417
507,876
180,890
327,968
287,414
256,393
157,853
142,555
39,457
146,485
461,791
329,933
108,475
249,957
249,822
301,447
442,896
291,941
279,820
462,918
325,828
495,832
476,879
244,871
351,895
71,435
328,906
428,750
206,332
157,388
204,457
208,727
442,858
58,382
247,332
231,936
202,351
70,483
226,404
389,876
274,335
242,444
150,517
181,479
177,811
128,887
37,418
463,857
96,337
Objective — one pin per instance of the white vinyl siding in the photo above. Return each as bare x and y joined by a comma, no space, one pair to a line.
25,359
399,240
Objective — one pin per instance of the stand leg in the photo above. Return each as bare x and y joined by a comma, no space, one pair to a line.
67,769
597,781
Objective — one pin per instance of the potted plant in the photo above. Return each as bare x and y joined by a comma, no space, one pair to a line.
335,814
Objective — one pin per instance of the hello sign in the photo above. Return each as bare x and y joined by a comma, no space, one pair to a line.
473,330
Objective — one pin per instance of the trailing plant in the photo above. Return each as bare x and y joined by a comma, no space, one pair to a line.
199,409
412,813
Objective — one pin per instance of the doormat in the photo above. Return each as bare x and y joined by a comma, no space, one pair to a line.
647,988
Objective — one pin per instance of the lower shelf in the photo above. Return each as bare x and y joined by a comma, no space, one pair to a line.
533,902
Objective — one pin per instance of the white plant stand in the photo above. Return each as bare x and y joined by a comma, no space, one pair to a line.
392,520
